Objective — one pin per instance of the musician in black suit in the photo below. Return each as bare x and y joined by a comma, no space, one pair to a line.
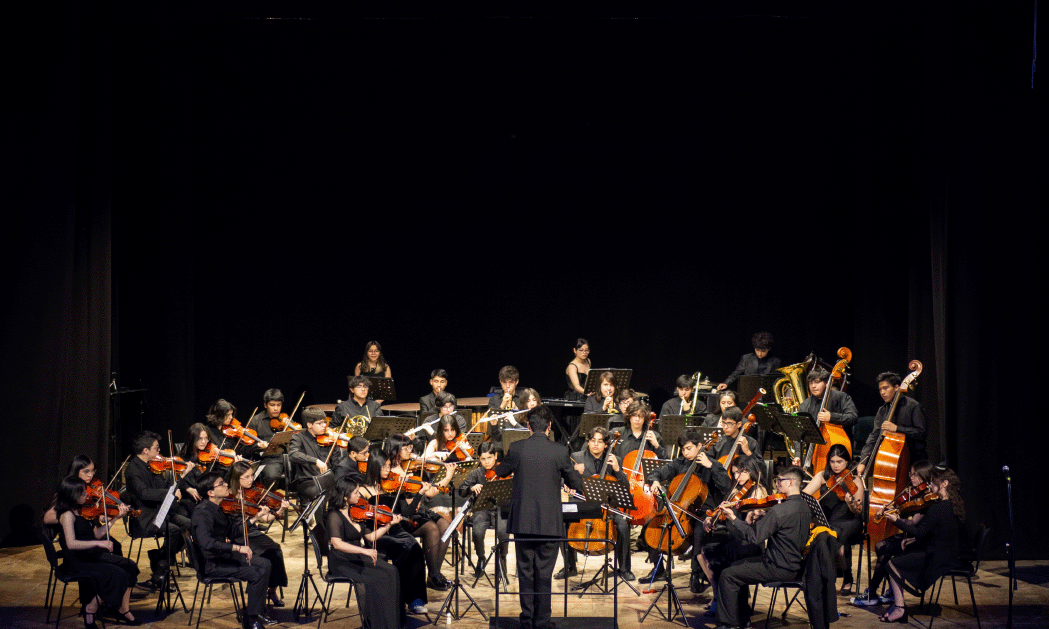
757,363
438,382
841,410
309,458
540,467
909,420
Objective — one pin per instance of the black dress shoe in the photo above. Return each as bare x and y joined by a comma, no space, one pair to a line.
275,600
564,573
266,621
695,585
655,574
478,572
438,582
627,575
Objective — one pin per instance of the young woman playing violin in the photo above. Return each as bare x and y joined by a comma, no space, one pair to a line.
422,509
842,502
353,554
242,477
89,549
397,544
920,475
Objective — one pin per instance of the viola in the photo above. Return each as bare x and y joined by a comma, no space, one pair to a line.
753,504
362,467
719,513
260,496
161,464
912,497
225,458
232,505
364,511
282,422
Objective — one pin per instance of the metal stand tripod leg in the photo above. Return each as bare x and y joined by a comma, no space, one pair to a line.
674,608
456,587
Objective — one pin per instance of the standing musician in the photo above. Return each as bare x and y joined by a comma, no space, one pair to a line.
909,420
841,410
576,371
726,400
786,529
438,382
588,462
540,467
842,514
358,404
757,363
682,404
146,491
488,455
213,531
709,471
242,477
308,457
373,363
604,399
272,465
731,424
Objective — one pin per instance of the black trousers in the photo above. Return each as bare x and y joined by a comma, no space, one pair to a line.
257,574
482,521
734,591
535,572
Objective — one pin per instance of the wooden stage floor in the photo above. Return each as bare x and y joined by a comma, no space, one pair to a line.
23,578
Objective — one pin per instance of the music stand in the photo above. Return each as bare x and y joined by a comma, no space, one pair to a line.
670,428
160,523
279,443
621,378
615,497
819,518
452,532
648,466
674,607
382,388
307,576
382,426
493,494
800,428
510,437
589,421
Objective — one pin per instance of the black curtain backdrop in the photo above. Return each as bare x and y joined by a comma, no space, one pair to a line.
479,187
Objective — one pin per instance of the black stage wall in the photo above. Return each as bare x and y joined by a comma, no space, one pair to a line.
478,188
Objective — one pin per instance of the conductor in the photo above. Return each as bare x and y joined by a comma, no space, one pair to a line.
540,467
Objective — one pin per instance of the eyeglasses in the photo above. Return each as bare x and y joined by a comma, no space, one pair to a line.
220,483
360,386
780,479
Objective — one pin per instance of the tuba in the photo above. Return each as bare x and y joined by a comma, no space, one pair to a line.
790,392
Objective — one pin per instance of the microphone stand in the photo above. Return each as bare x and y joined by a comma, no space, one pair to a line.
1009,546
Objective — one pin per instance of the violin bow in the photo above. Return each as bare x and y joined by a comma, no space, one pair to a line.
287,421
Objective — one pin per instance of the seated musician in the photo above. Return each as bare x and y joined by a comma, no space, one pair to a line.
309,458
358,404
446,407
624,399
147,491
357,451
220,415
921,472
198,439
472,485
840,408
604,399
757,363
273,464
213,531
708,470
682,403
844,516
241,477
909,419
726,399
940,532
438,382
731,423
719,554
588,462
784,530
637,416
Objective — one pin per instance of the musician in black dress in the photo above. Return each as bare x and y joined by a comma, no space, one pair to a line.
373,363
211,530
88,549
785,531
844,516
708,470
756,363
241,477
353,555
146,491
198,439
438,382
941,529
908,419
540,467
577,370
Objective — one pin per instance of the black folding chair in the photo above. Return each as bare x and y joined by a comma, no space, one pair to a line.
61,573
197,561
333,580
967,572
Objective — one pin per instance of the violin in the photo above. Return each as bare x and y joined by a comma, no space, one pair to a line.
411,484
331,437
490,475
842,484
282,423
364,511
416,463
235,431
459,448
161,464
95,511
719,513
362,467
912,498
753,504
232,505
96,492
260,496
225,458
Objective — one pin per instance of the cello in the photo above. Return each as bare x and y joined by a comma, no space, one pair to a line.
643,500
816,455
686,490
890,455
580,531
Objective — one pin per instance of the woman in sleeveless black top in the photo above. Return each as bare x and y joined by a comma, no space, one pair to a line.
576,371
353,555
87,550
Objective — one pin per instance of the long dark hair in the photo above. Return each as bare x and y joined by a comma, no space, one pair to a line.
235,472
67,498
78,463
376,459
217,413
189,449
380,363
340,493
954,490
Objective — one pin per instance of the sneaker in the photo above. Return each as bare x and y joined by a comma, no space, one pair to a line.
886,598
417,607
866,600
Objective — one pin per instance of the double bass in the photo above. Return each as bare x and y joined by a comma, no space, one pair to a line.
686,490
888,466
816,455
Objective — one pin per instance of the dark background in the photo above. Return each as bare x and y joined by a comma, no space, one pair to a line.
210,202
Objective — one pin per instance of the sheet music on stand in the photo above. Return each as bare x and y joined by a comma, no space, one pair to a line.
614,494
382,426
309,511
279,442
162,512
493,494
818,517
620,376
670,428
382,388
